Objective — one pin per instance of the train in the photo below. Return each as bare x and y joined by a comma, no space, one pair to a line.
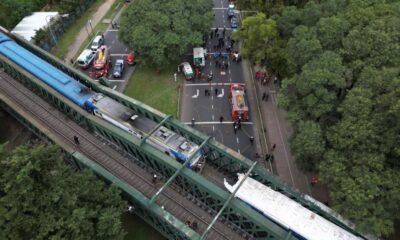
291,215
103,107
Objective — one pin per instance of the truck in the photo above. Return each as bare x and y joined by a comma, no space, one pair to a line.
237,98
199,57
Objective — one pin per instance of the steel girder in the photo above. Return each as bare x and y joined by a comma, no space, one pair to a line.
225,159
194,186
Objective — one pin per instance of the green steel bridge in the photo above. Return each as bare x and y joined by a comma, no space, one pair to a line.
180,194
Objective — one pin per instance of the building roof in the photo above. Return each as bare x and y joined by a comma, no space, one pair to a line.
28,26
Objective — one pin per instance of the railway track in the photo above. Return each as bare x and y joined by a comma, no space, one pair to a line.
112,160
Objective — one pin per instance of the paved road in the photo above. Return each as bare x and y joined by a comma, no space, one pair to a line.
117,51
207,110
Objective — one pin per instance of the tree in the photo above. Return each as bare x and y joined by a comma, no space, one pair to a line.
42,198
161,31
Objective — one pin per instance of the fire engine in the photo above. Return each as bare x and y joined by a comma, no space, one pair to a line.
238,102
101,62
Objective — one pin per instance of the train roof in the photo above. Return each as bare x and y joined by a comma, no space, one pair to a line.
287,212
174,140
52,76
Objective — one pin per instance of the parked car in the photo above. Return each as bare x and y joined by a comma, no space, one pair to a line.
234,22
131,59
86,58
231,13
97,42
118,68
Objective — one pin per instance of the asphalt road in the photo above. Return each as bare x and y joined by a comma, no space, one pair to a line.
117,51
207,110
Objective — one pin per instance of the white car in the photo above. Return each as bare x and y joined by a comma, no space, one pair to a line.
97,42
86,58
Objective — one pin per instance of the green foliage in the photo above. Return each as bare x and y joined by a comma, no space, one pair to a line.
42,198
341,91
161,31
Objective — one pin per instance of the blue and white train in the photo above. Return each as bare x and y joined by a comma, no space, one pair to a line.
102,106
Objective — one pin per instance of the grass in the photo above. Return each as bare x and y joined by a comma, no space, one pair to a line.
69,36
157,90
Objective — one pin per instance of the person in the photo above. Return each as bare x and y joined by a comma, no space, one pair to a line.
264,96
267,157
71,61
206,92
216,30
154,178
223,32
189,223
210,76
221,119
251,140
130,209
216,63
226,65
273,147
256,155
194,225
216,91
211,34
76,140
235,128
193,121
239,122
314,180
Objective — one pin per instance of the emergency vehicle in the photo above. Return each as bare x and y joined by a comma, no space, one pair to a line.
199,55
238,102
101,62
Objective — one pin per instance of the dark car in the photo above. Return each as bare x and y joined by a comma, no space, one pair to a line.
118,68
234,22
231,13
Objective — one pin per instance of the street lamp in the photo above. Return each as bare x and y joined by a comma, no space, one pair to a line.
49,25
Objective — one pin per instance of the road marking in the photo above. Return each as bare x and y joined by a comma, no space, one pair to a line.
239,151
211,84
213,128
118,54
117,80
197,94
115,86
221,94
230,79
212,106
225,122
212,117
126,49
237,140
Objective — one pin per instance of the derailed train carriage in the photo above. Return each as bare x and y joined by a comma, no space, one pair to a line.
102,106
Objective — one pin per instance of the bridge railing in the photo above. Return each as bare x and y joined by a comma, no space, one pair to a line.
224,158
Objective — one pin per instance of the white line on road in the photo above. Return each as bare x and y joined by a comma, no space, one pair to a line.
115,86
212,117
197,94
118,54
212,106
213,128
230,79
209,123
237,140
209,84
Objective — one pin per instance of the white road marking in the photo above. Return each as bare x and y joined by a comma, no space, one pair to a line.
213,128
239,151
230,79
210,84
221,94
212,106
197,94
224,122
117,80
212,117
237,140
115,86
118,54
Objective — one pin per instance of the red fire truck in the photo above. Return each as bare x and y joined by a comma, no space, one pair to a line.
101,63
238,102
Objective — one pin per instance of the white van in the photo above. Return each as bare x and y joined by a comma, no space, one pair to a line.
97,42
86,58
